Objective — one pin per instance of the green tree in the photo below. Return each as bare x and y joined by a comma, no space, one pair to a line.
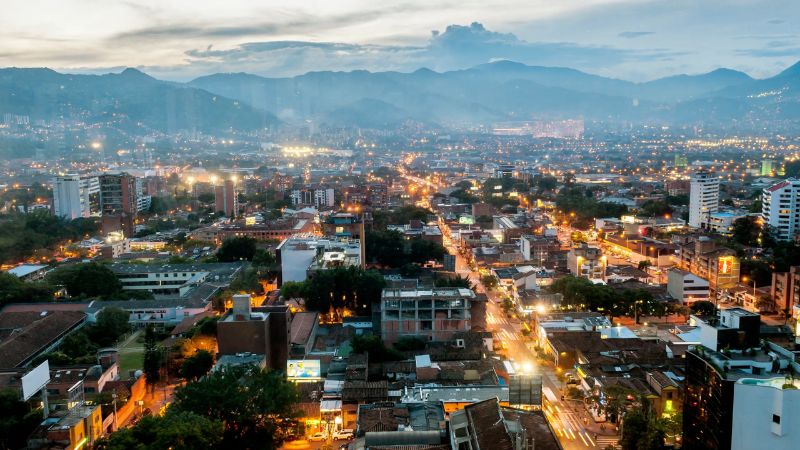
112,323
263,258
197,365
257,407
237,249
409,343
88,280
77,344
374,347
14,290
17,420
423,251
294,289
457,281
704,308
152,356
175,431
489,281
746,231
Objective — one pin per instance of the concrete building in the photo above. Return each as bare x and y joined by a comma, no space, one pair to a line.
299,256
225,199
703,197
346,225
766,414
436,314
73,195
118,202
702,257
587,262
271,230
320,197
736,388
686,287
780,209
174,280
785,292
260,331
722,222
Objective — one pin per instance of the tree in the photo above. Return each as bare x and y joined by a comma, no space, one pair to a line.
644,264
152,356
423,251
409,343
237,249
457,281
257,407
489,281
175,431
263,258
374,347
197,365
14,290
746,231
112,323
704,308
88,280
652,208
17,420
294,289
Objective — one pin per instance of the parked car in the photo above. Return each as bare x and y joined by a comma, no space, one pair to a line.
318,437
346,433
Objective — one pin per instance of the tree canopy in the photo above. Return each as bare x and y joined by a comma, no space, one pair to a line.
334,290
237,249
87,280
256,407
176,430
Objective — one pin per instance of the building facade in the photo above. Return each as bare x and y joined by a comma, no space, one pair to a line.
703,197
436,314
225,199
780,209
73,195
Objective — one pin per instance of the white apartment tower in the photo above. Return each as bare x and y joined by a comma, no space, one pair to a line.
72,195
780,208
703,197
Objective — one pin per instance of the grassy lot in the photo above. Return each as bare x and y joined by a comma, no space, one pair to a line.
131,355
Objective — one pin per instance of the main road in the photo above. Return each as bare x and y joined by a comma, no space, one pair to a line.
569,419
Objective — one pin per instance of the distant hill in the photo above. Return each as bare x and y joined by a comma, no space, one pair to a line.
129,100
484,94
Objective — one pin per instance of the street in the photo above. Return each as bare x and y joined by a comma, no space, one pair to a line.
574,427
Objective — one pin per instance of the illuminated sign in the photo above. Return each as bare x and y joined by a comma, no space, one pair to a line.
303,369
726,265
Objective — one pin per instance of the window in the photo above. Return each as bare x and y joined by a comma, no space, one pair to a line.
776,419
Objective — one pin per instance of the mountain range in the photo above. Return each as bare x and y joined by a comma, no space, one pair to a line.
485,94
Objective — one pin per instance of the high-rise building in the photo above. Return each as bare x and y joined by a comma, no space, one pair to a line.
119,202
768,167
225,199
780,209
703,197
739,390
73,195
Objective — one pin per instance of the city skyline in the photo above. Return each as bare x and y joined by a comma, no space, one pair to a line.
631,40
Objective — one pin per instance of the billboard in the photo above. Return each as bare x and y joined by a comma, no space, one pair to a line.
35,380
303,369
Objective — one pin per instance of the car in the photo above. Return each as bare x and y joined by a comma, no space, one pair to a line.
318,437
346,433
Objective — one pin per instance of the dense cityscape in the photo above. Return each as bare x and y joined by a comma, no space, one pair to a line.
499,256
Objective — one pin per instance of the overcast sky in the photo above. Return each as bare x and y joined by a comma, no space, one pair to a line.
182,39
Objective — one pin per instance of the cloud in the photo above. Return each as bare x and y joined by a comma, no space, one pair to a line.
457,47
770,52
634,34
776,21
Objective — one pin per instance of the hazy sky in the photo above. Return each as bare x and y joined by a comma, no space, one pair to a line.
181,39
